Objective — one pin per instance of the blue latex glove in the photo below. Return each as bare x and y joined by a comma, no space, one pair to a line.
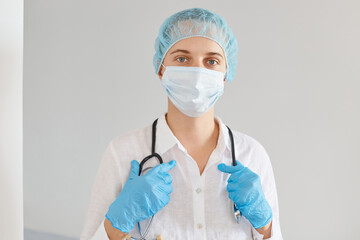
244,187
141,196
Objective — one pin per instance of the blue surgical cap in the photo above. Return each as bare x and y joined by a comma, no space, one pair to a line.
197,22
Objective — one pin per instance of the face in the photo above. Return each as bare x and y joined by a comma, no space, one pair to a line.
195,52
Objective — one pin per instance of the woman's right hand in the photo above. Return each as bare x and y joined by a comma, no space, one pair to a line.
141,197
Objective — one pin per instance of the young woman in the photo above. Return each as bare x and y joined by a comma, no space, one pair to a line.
209,172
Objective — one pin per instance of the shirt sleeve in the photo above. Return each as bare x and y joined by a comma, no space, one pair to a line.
270,192
100,233
106,187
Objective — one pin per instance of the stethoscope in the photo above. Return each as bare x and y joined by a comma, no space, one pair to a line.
237,213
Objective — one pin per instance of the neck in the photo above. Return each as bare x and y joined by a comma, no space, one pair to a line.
193,132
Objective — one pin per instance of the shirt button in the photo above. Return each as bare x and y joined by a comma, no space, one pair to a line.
198,190
199,226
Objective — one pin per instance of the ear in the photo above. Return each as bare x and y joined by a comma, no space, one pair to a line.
160,73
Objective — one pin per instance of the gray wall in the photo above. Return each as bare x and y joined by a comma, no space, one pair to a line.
88,77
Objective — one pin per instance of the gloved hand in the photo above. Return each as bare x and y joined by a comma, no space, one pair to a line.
142,196
244,187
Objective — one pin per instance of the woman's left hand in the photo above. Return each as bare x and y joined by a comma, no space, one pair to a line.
244,187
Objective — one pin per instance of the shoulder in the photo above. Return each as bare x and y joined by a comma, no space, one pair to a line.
245,141
251,152
123,148
131,139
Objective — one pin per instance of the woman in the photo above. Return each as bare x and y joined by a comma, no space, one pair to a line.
193,192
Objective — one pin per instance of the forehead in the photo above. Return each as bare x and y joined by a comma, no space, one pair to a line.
197,45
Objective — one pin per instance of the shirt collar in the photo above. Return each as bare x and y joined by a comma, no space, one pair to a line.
165,139
224,133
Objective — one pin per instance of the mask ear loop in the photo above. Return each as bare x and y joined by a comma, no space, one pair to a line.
163,65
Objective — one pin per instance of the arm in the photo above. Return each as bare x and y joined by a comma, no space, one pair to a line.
269,231
259,205
141,197
113,233
265,230
106,187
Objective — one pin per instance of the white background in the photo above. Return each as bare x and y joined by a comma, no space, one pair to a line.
88,77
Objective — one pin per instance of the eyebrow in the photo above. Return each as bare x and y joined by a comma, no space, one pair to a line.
186,51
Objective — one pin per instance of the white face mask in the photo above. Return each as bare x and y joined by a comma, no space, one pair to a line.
193,90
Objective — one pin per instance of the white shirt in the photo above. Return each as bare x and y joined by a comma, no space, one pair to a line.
199,206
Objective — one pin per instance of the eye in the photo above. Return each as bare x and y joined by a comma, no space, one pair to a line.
182,59
212,62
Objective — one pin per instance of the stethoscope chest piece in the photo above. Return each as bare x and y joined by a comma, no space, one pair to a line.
237,214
